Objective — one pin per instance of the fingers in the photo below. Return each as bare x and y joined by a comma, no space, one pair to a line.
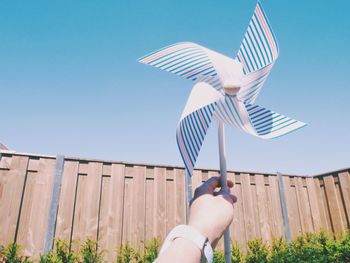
212,183
227,195
209,186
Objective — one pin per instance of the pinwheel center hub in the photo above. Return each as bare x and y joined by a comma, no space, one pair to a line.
231,88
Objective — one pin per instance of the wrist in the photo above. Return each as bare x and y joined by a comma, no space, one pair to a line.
181,232
205,231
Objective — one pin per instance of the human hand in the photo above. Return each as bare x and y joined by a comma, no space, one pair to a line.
211,212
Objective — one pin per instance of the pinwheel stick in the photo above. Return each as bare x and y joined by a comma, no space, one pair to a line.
223,177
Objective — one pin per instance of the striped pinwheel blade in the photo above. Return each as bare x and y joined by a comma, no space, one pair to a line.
233,112
257,53
195,121
269,124
254,119
187,60
196,63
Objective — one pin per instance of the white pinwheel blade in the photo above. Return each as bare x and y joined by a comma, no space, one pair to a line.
233,112
254,119
257,53
196,63
195,121
269,124
187,60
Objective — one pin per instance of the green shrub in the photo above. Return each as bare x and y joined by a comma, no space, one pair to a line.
219,256
151,251
257,251
236,254
89,252
127,254
306,248
313,248
60,254
11,254
343,248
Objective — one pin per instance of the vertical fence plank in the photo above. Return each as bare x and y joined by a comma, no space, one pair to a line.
276,218
150,209
264,224
160,202
292,205
87,204
255,207
240,217
138,207
12,183
325,221
170,198
300,202
341,204
248,207
344,180
303,206
111,212
326,207
127,212
314,206
67,200
331,195
36,199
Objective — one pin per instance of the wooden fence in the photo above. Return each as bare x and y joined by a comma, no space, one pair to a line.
116,203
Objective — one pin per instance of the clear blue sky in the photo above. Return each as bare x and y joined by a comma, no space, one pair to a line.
70,83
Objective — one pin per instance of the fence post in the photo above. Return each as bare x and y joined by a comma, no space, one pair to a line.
55,196
188,191
284,208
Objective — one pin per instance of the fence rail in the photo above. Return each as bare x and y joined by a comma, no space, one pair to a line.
116,203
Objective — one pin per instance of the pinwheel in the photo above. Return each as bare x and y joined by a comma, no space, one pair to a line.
225,89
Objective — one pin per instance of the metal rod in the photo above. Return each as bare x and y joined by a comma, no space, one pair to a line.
55,196
223,177
284,208
188,184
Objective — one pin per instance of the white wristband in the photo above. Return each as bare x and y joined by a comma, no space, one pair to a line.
191,234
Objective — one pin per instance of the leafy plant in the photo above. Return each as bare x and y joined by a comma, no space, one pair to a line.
257,251
236,254
151,251
314,248
343,248
60,254
89,252
11,254
218,257
127,254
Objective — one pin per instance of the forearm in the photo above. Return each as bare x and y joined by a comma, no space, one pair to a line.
180,250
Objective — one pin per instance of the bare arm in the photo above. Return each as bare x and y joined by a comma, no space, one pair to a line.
210,213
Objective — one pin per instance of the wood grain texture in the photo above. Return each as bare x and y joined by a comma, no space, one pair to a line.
67,200
11,183
248,210
160,203
87,205
111,211
334,208
119,203
344,181
34,213
263,211
314,205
